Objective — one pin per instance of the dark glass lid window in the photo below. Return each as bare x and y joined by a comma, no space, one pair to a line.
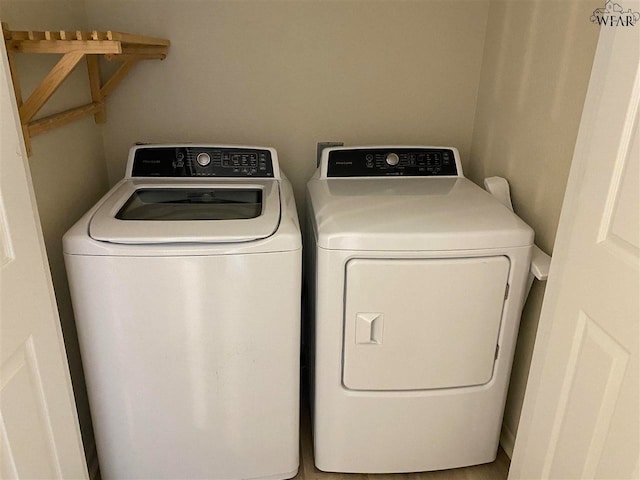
192,204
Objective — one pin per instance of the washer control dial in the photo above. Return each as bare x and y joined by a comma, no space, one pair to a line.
203,159
392,159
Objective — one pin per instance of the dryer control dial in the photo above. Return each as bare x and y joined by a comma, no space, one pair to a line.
203,159
392,159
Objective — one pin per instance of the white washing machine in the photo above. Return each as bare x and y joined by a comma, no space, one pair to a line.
416,281
185,280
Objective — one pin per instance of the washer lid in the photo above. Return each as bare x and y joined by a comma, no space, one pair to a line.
411,214
139,212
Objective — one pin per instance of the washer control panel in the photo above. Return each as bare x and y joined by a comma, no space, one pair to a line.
390,161
195,161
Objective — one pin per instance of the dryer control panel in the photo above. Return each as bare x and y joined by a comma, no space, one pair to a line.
201,161
392,161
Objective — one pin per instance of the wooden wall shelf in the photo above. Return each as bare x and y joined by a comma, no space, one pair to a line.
75,46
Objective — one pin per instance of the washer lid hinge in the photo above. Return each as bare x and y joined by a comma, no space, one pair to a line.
506,292
497,351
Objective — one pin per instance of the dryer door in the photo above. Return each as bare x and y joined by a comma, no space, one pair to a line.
414,324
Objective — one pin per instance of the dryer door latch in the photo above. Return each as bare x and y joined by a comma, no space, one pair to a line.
369,328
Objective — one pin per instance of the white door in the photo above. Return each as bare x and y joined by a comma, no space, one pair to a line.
580,415
423,324
39,432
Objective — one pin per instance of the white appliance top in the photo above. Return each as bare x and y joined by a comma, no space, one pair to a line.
434,210
192,194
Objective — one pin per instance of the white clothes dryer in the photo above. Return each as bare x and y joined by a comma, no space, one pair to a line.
416,279
185,280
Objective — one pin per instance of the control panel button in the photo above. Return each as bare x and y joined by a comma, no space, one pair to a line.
392,159
203,159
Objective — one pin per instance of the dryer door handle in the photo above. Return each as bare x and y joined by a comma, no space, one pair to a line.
369,328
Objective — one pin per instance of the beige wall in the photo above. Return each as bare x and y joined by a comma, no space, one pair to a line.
289,74
535,72
67,164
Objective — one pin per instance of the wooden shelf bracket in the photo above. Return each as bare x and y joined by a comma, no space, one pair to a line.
75,46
